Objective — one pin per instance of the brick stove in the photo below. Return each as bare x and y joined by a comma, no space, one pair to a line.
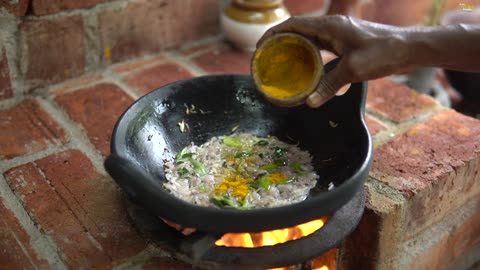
59,209
316,249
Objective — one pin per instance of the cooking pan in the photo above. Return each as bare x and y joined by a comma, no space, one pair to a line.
148,133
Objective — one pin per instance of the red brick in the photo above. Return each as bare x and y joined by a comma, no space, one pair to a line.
5,83
396,101
96,202
138,64
224,59
78,82
436,164
166,263
152,78
16,251
53,49
365,257
418,157
81,210
373,125
296,7
55,218
379,232
27,129
44,7
454,243
150,26
190,50
97,109
17,8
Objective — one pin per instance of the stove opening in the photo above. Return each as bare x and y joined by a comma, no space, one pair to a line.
279,236
270,238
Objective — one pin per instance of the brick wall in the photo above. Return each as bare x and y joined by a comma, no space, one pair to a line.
44,42
60,209
423,200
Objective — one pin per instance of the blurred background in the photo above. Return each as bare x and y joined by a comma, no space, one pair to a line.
70,68
44,42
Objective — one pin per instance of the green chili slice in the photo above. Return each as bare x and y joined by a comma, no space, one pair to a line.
233,142
198,167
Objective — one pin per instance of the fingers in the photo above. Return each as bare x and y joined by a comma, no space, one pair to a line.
331,83
323,30
270,32
300,25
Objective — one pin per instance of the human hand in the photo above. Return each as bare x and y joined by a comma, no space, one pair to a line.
367,50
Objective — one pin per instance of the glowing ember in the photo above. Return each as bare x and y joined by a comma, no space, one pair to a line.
270,238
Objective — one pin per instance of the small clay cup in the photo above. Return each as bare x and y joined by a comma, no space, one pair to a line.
262,60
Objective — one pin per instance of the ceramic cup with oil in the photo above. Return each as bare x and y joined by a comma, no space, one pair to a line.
287,68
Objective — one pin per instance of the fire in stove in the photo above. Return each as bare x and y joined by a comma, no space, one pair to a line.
312,245
274,237
270,238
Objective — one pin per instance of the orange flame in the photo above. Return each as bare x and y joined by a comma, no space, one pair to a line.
270,238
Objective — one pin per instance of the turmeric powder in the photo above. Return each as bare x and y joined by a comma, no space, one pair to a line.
285,68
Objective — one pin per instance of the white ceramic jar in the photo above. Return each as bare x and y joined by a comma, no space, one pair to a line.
245,21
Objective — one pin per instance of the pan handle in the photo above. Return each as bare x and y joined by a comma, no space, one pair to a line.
356,94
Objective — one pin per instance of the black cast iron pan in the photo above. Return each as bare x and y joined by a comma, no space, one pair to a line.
148,132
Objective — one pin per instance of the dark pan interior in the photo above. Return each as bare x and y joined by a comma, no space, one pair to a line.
148,132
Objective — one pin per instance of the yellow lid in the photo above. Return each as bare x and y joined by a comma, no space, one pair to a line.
287,69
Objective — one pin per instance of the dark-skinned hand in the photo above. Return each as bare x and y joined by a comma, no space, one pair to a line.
370,50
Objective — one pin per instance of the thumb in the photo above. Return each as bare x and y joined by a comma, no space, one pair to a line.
327,88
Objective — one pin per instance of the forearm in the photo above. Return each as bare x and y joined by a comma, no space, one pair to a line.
455,47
